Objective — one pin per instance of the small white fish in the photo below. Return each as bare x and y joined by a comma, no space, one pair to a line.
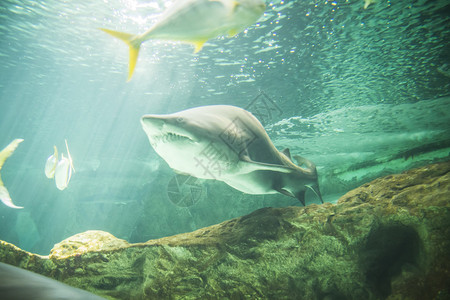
63,170
4,154
195,22
51,163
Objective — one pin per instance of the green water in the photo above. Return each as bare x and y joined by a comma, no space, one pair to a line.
361,93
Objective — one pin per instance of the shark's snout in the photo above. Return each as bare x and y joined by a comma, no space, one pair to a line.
152,123
165,128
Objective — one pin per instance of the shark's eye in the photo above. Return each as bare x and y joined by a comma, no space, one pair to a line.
180,119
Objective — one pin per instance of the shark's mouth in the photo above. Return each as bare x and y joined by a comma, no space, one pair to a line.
170,137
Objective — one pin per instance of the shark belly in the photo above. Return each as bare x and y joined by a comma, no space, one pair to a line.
255,183
203,160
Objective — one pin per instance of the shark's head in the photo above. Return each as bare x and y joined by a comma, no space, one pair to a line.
195,127
180,139
163,129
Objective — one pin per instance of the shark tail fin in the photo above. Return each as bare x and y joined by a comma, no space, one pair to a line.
133,42
4,154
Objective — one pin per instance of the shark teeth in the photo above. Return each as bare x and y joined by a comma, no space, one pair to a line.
169,137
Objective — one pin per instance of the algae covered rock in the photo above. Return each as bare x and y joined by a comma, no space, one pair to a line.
89,241
387,239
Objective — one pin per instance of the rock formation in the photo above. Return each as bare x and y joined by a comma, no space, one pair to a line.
388,239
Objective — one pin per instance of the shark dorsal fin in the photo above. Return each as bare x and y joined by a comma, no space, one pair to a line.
287,152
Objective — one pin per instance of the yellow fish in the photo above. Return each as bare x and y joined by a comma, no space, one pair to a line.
195,22
367,3
4,154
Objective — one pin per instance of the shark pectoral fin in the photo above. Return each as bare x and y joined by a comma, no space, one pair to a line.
285,192
300,195
198,45
134,44
250,166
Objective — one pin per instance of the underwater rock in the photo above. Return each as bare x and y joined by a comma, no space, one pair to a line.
387,239
89,241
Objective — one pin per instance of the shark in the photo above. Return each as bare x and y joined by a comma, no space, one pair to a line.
229,144
4,154
194,22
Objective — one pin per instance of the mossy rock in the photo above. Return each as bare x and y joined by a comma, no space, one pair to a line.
387,239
